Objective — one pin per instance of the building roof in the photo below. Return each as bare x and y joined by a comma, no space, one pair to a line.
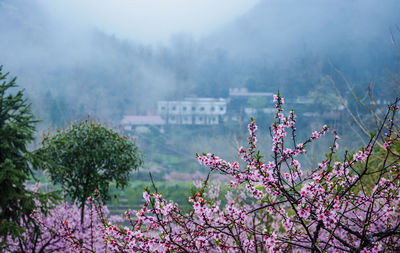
243,92
205,99
194,100
142,120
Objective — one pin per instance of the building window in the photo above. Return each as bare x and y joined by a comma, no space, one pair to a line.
212,109
162,108
173,108
193,108
222,108
184,108
202,108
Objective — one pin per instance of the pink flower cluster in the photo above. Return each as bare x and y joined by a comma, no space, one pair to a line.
62,231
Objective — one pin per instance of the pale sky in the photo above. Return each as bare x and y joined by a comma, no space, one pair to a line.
149,21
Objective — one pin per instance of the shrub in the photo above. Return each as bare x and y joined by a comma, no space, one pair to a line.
88,156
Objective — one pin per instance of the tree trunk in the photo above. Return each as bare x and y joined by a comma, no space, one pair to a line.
82,211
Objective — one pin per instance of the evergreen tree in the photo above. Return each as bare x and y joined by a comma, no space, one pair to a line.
17,163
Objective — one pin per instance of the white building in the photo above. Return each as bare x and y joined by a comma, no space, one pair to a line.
193,111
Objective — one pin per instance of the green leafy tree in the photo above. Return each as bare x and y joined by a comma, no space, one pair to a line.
17,163
88,156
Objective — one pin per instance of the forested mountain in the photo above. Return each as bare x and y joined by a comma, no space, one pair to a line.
283,47
71,70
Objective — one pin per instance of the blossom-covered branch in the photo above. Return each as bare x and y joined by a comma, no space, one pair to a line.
278,206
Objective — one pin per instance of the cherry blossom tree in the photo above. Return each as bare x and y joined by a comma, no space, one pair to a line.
276,205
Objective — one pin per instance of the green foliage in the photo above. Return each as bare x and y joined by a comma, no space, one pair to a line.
56,108
17,163
324,97
177,191
88,156
258,102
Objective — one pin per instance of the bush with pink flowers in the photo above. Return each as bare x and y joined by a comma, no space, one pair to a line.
61,230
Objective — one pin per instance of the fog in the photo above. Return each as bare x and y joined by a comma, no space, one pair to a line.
149,21
112,58
281,29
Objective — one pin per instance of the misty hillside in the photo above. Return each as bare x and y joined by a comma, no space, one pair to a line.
276,31
278,40
78,74
72,70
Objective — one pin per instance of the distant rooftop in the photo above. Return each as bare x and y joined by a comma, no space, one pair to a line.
244,92
193,99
